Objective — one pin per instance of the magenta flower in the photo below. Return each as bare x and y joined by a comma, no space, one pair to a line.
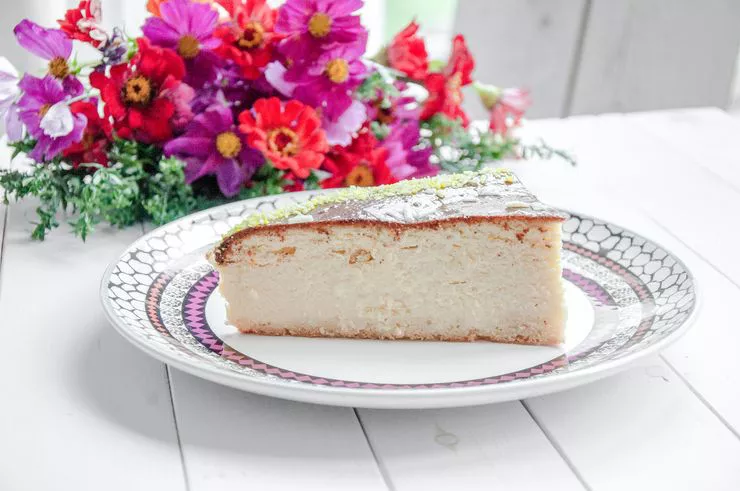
329,82
45,112
187,28
405,160
313,24
212,145
52,45
388,109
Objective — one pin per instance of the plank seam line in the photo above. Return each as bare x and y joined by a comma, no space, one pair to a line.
379,464
575,66
701,398
177,428
556,446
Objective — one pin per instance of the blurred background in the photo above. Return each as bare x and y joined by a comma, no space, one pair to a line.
576,56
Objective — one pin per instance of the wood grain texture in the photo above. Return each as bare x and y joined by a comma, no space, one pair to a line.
638,55
476,448
80,405
246,441
524,44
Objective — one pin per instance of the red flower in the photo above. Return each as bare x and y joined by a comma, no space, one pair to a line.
290,137
95,140
83,23
445,89
362,163
407,53
249,40
296,183
136,94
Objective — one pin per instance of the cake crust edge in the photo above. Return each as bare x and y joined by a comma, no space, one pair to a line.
223,252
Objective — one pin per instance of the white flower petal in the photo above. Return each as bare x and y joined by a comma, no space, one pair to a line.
58,120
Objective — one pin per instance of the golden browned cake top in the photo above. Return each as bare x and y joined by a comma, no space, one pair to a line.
486,193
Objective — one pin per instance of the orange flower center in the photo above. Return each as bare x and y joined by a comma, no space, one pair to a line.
44,109
283,141
385,114
188,47
228,144
58,67
137,91
337,70
252,36
361,175
319,25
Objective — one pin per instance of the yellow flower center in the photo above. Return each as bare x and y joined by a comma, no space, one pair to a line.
360,176
283,141
137,91
188,47
58,67
228,144
320,25
44,109
337,70
454,84
252,36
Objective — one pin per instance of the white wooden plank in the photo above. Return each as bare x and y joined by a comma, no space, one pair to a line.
246,441
638,55
642,429
80,406
487,447
524,44
709,136
617,161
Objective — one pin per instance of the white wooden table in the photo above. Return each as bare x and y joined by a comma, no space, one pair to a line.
82,409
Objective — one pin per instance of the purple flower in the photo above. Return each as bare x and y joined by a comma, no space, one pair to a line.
187,27
313,24
213,145
328,84
404,160
388,109
114,49
341,131
45,112
52,45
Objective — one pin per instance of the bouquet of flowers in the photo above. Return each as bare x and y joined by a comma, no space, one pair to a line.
230,99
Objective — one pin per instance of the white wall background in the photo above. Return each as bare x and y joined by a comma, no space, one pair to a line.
577,56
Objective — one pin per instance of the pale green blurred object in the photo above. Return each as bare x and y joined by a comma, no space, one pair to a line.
435,17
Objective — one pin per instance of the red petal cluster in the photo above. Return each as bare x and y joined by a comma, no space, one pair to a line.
362,163
445,88
407,53
289,136
136,93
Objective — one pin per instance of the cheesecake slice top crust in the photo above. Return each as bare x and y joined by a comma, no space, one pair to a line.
466,196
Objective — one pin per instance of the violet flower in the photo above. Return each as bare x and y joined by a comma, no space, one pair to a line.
311,25
52,45
328,84
187,28
44,110
404,160
212,145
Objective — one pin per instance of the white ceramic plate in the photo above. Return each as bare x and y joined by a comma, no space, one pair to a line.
627,297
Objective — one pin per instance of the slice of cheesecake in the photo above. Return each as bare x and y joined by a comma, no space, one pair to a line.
451,258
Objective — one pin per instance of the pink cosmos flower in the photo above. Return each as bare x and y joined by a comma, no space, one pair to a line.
52,45
45,113
188,28
405,160
312,24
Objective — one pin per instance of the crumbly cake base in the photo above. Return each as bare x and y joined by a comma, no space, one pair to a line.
513,337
